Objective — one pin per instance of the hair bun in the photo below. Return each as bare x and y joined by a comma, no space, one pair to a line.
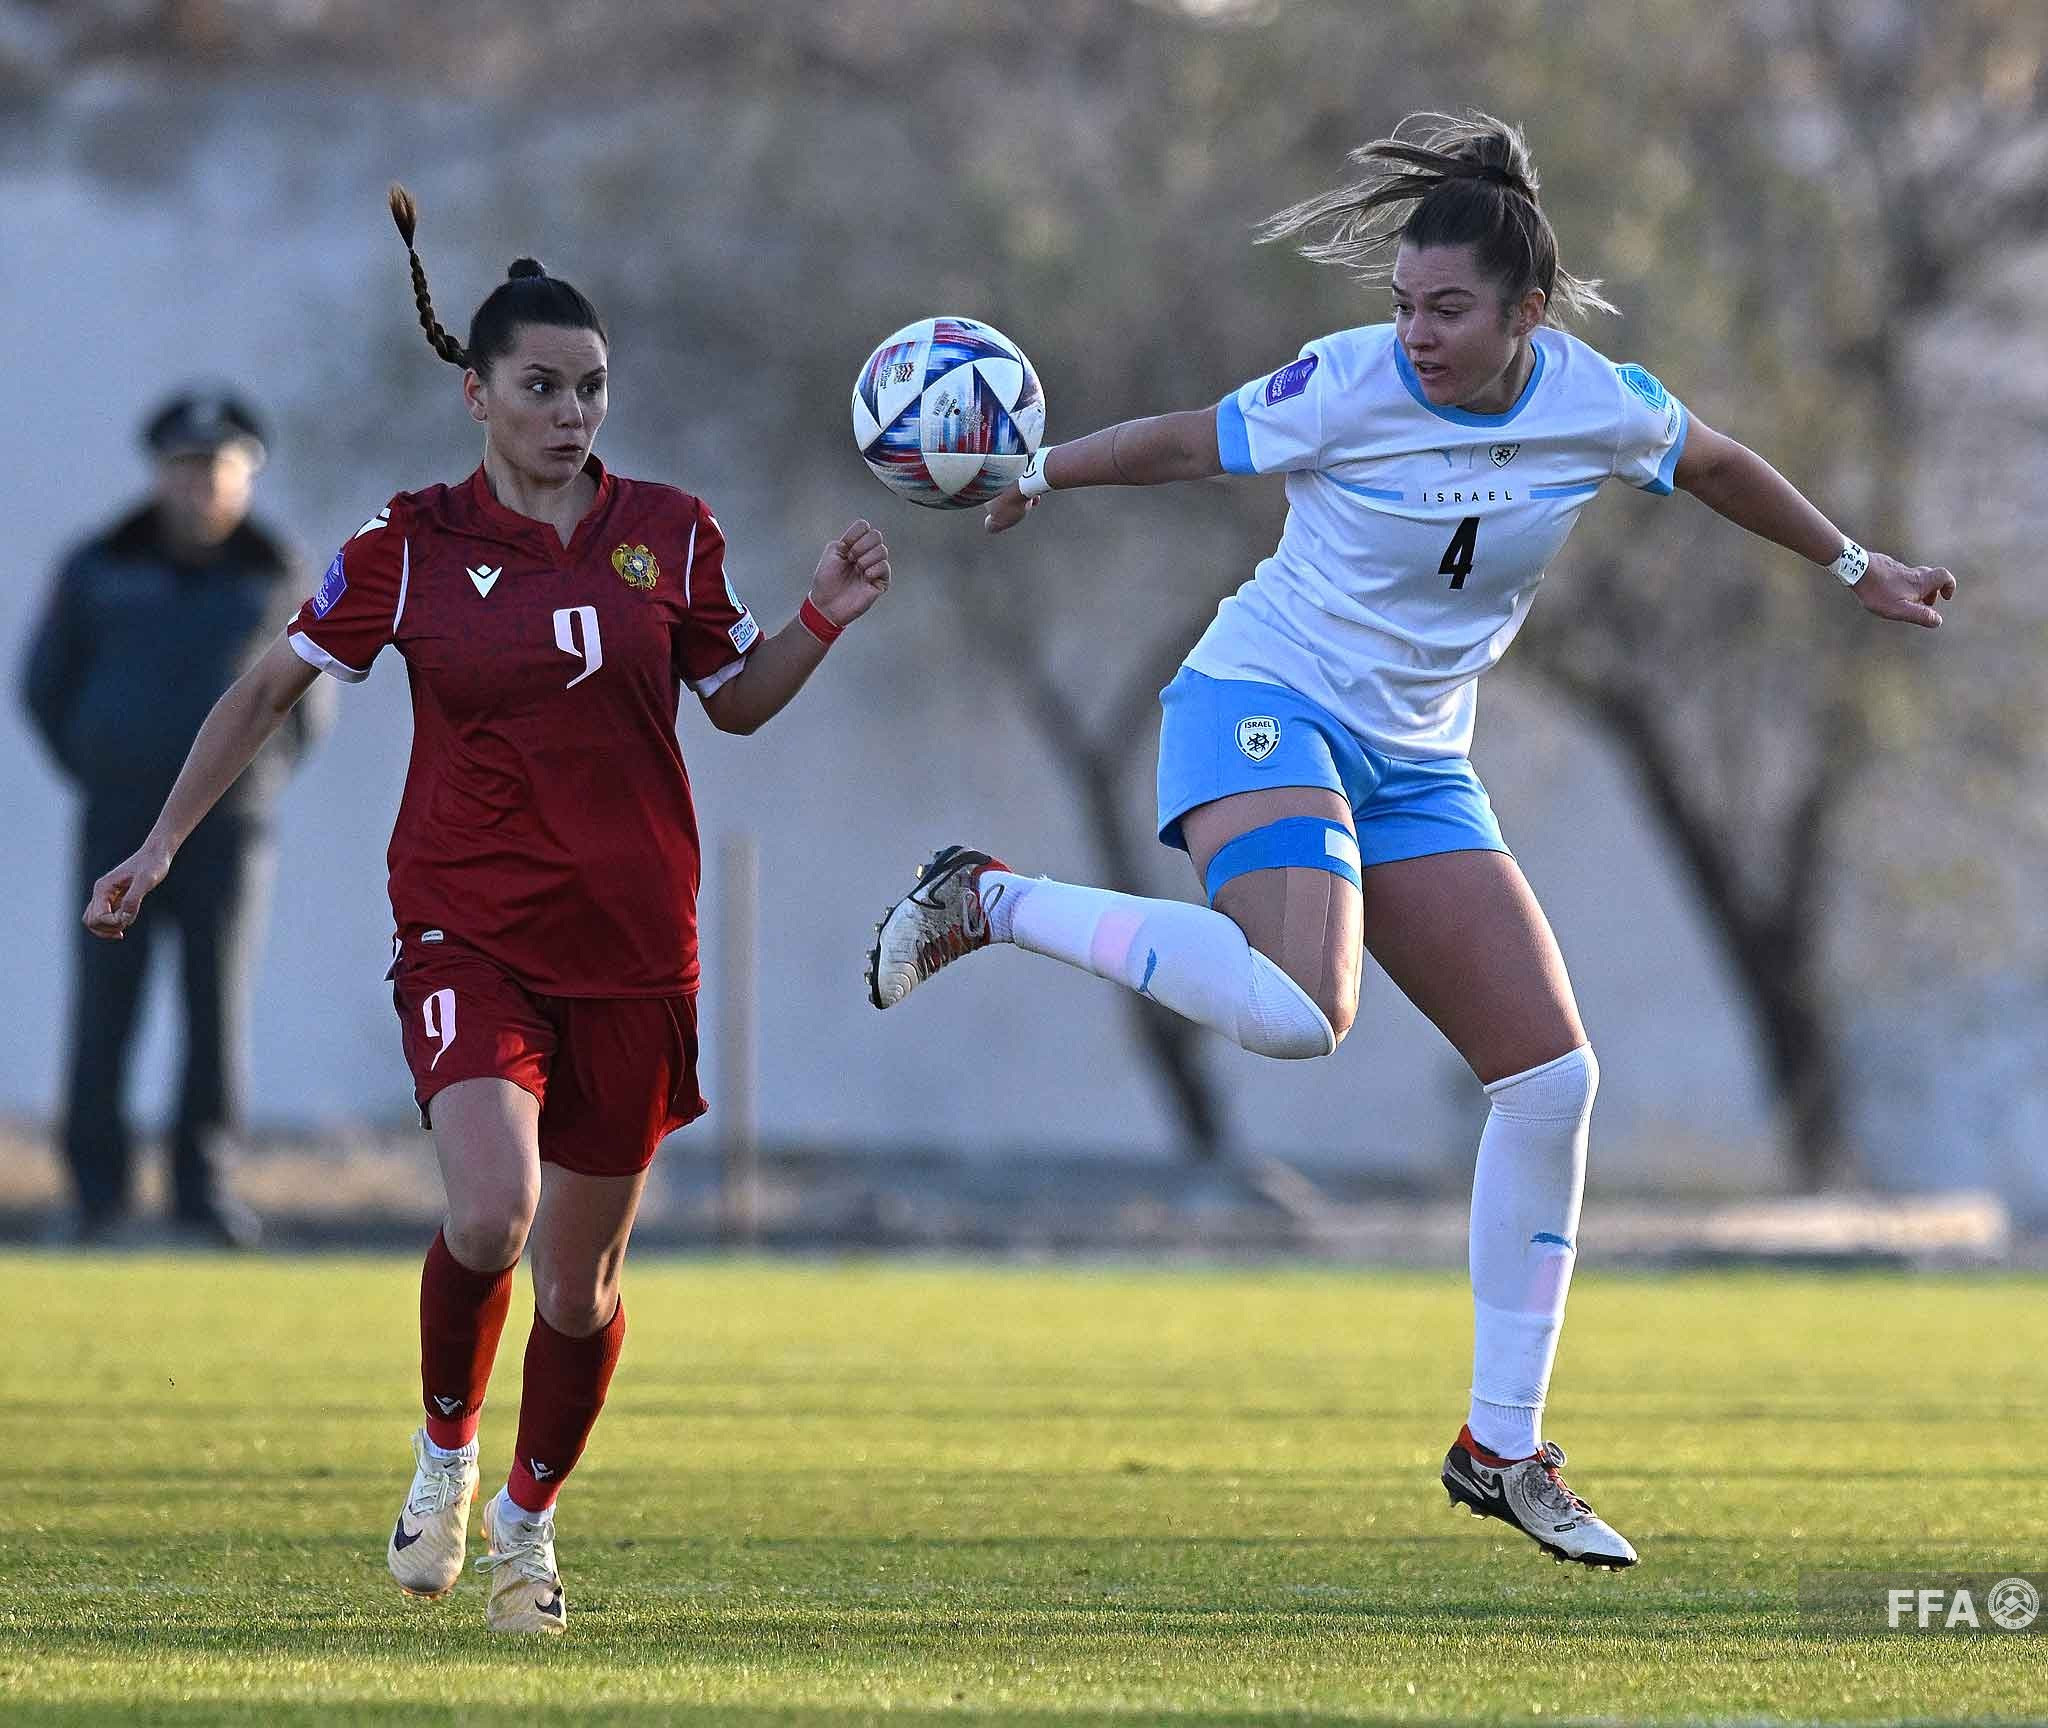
1495,155
523,267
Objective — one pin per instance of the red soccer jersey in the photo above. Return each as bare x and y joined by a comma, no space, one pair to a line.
547,818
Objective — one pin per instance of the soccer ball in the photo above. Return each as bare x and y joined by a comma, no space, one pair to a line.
947,412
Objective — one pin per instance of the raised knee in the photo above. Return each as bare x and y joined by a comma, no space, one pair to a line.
1340,1022
1340,1008
1282,1019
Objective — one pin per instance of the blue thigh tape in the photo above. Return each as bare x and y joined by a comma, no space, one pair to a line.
1293,843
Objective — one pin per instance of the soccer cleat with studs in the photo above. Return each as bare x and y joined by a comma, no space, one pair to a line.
526,1585
939,920
1530,1494
432,1532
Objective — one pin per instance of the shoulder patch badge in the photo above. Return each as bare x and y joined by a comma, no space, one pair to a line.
1292,379
332,587
1643,384
1258,736
637,565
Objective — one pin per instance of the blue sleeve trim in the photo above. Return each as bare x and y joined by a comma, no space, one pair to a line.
1661,485
1571,491
1293,843
1233,438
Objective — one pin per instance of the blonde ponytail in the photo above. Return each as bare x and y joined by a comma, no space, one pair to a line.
1442,180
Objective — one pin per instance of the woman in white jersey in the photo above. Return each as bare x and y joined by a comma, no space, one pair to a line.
1312,760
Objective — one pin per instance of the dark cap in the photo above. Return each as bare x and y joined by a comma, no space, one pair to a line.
199,422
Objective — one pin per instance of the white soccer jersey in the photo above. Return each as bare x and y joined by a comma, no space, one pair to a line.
1416,535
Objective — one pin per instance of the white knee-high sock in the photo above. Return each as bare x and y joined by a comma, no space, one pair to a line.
1195,961
1525,1228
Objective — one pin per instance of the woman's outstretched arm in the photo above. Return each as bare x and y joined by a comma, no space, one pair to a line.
1734,481
1149,452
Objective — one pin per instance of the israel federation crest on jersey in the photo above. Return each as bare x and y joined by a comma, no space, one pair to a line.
1258,736
637,565
1503,454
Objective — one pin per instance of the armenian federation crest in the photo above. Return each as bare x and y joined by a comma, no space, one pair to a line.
637,565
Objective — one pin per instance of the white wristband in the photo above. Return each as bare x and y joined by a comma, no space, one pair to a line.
1034,482
1850,564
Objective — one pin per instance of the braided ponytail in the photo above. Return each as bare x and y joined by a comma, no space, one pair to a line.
1442,180
528,295
406,214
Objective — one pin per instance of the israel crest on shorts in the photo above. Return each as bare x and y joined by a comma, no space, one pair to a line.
1503,454
637,565
1258,736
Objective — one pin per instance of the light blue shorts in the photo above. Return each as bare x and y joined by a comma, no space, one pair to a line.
1221,736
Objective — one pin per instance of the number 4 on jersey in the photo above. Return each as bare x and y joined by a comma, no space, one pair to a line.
1457,564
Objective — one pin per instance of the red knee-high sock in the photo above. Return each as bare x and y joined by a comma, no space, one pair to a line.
566,1379
461,1314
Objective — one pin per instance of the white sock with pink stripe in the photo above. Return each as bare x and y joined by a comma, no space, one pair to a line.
1189,958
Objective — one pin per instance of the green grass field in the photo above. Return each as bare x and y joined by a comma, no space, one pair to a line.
834,1493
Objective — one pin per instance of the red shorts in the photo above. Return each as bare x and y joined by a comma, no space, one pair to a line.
612,1074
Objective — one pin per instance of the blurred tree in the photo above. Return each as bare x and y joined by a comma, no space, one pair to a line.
1085,223
1826,179
1783,243
1792,197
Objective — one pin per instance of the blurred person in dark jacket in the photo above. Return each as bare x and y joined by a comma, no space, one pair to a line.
147,623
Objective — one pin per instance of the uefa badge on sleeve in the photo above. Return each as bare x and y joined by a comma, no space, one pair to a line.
1291,380
1258,736
637,565
332,587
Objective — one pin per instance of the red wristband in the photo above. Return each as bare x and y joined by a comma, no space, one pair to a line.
818,624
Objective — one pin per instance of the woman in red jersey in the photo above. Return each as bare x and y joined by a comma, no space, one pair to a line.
544,870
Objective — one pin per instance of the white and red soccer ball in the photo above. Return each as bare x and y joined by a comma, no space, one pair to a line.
947,411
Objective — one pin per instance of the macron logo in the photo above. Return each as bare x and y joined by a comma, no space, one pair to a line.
485,577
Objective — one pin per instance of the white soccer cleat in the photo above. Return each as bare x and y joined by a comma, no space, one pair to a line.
1530,1494
432,1532
526,1586
934,924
